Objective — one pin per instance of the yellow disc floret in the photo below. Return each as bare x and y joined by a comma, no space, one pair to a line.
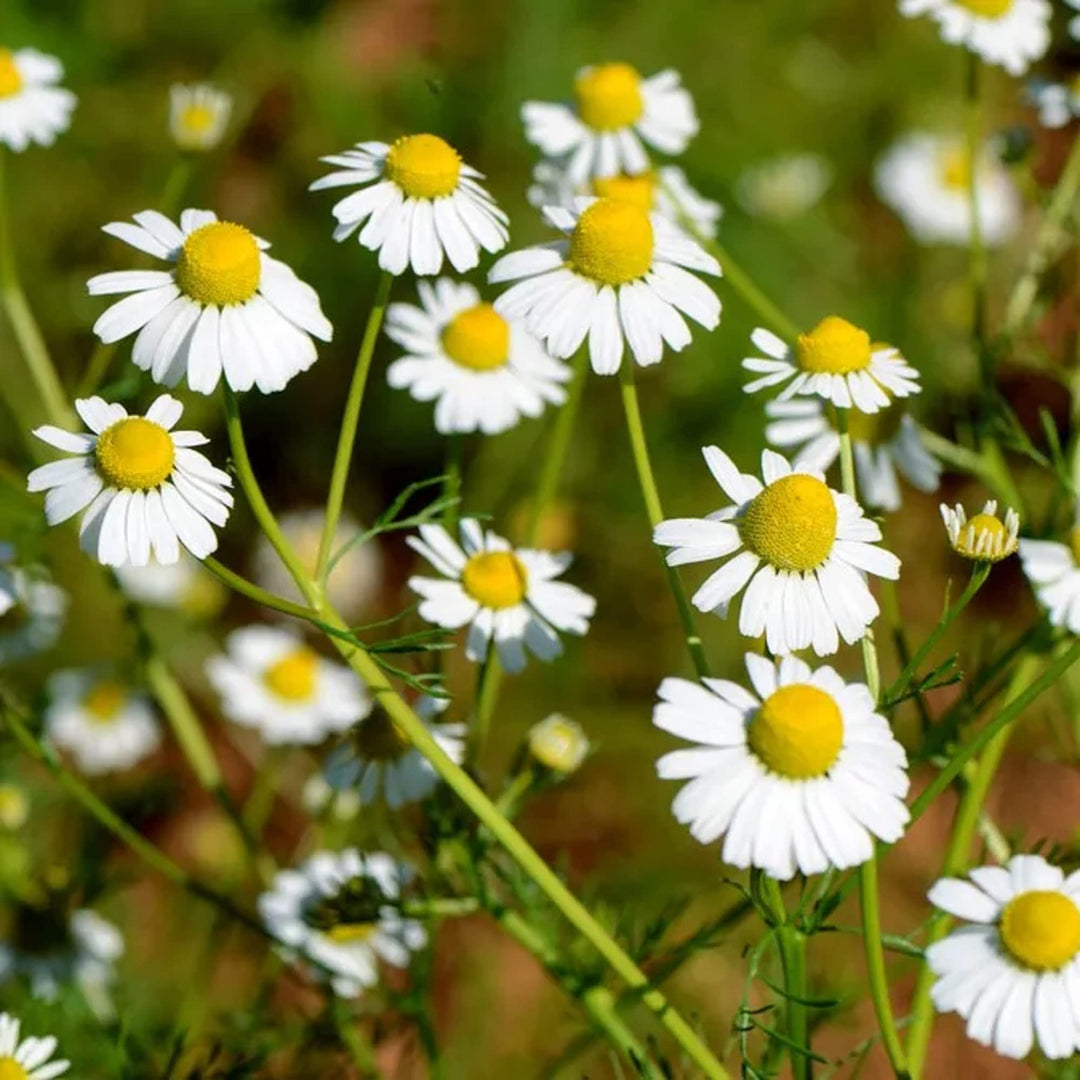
956,168
798,731
969,542
792,523
197,119
135,453
988,9
377,738
104,701
609,96
219,264
639,190
612,242
423,166
477,338
292,678
1041,929
11,81
495,579
833,347
10,1069
350,933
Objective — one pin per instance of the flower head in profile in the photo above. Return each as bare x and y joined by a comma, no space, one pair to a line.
32,609
143,487
1013,973
615,111
508,597
198,115
30,1058
986,537
418,202
1053,569
801,550
341,910
33,109
783,188
484,372
837,362
224,308
621,275
801,774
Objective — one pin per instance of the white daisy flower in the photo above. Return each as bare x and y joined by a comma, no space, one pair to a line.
1074,22
30,1058
483,372
1008,33
103,724
342,911
33,109
1058,103
508,596
801,775
986,537
1054,572
270,680
419,200
1013,973
835,361
378,759
559,744
803,548
198,115
783,188
886,445
143,486
183,585
32,611
614,111
925,179
225,306
618,274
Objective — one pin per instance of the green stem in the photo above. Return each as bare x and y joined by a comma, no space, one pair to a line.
792,943
361,1052
978,262
347,438
255,592
455,451
487,694
744,285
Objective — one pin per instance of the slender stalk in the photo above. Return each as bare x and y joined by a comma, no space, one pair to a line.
755,299
347,438
487,694
978,266
361,1052
255,592
792,943
455,451
646,480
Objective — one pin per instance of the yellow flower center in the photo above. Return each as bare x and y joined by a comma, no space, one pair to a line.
792,523
377,738
798,731
956,168
612,242
477,338
495,579
14,806
197,119
1041,929
349,933
10,80
981,523
609,96
833,347
1074,544
292,678
219,264
10,1069
1074,85
104,701
423,166
135,453
988,9
639,190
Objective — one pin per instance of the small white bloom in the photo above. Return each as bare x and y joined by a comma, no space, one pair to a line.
30,1058
484,372
270,680
32,107
836,361
802,549
618,275
102,723
1058,103
1074,22
507,596
142,485
615,110
341,911
1054,572
785,187
986,537
802,774
419,200
1013,973
184,585
32,611
225,306
558,743
198,115
925,179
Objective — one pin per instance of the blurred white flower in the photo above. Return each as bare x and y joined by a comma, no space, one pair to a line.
184,585
783,187
1058,103
558,743
1054,572
32,610
198,115
32,107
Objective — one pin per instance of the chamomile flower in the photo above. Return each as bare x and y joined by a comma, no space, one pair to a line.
784,187
419,200
925,178
341,910
1054,572
30,1058
619,274
483,372
142,485
33,109
183,585
508,597
270,680
1013,973
886,445
1008,33
32,610
986,537
198,115
102,723
225,306
836,361
1058,103
801,774
377,759
614,112
802,549
558,744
